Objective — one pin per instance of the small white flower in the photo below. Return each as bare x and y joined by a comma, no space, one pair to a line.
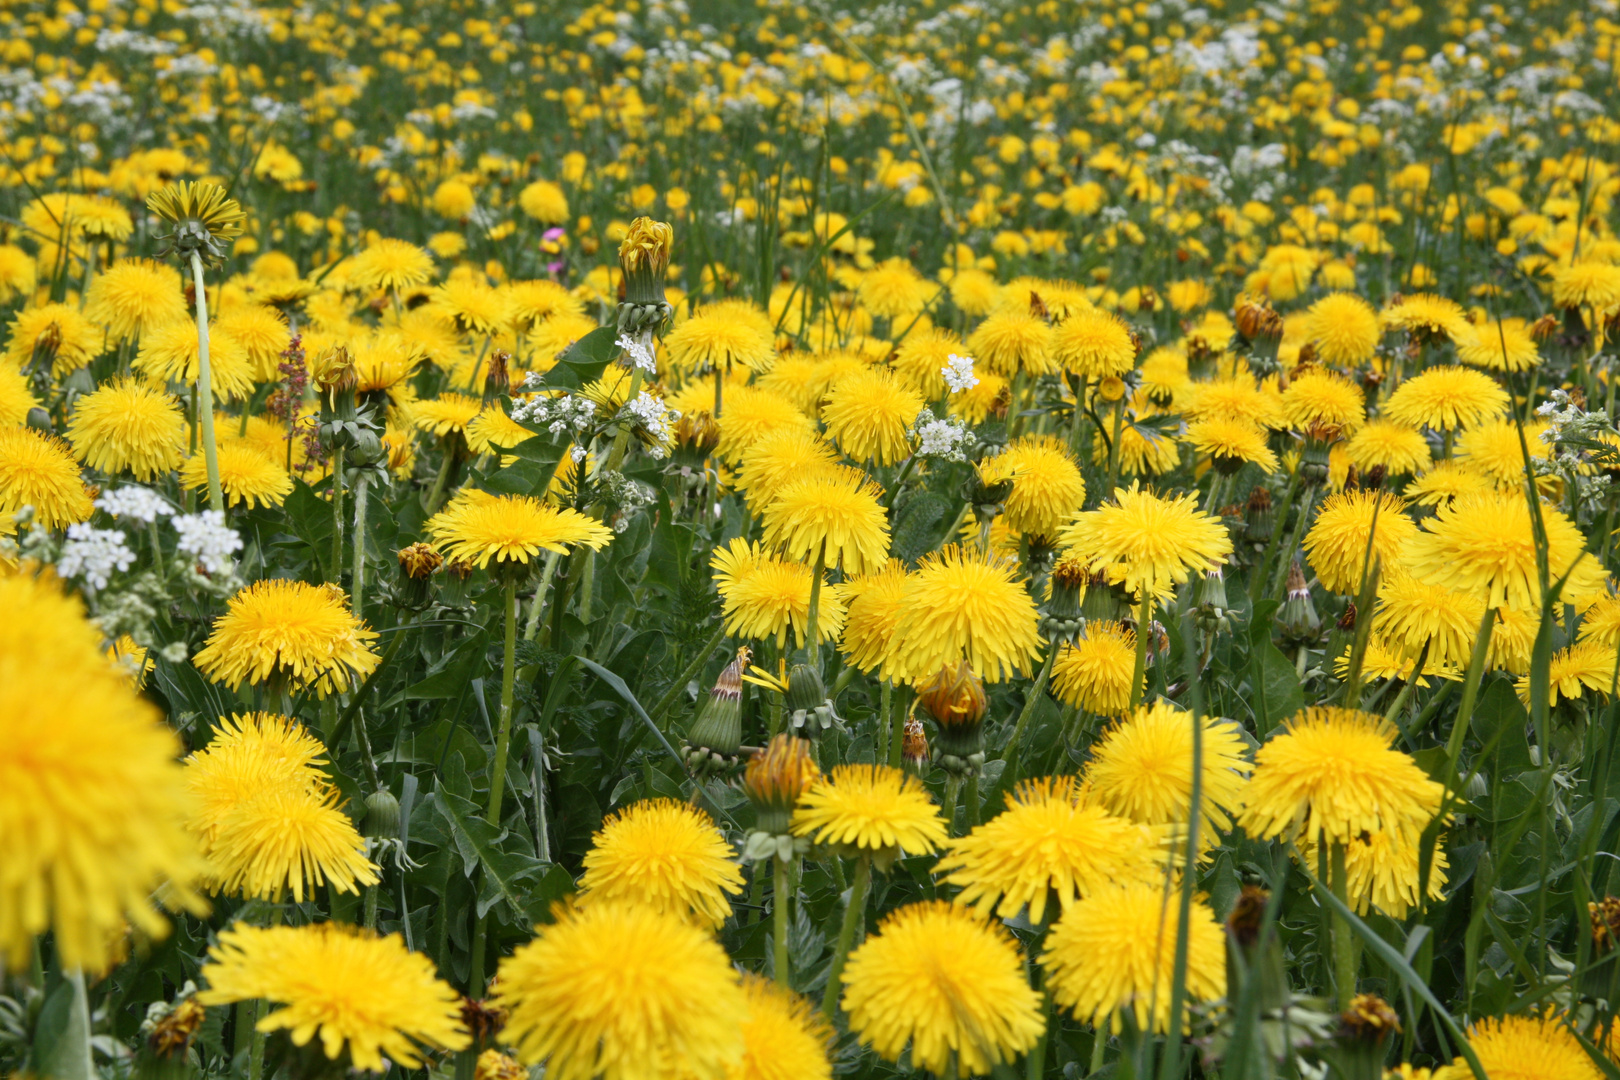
640,355
141,504
94,554
649,411
939,438
958,372
207,538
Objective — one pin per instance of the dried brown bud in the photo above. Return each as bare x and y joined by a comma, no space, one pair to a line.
1544,327
1605,923
1369,1019
1247,914
172,1034
419,561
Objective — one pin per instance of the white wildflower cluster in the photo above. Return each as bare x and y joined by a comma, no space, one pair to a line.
207,539
640,355
649,413
134,502
94,555
1559,412
939,438
559,414
958,372
629,496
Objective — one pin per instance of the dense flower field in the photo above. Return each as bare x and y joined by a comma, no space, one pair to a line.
720,541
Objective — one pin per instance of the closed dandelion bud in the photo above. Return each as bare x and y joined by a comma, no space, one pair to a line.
696,436
1256,320
1363,1035
1313,460
716,734
1298,618
1261,954
40,420
498,383
644,259
1212,605
775,778
1602,977
413,589
1063,620
1258,517
1104,600
454,587
955,699
382,815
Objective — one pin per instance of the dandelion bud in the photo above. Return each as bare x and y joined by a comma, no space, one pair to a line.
1298,618
40,420
1364,1030
382,815
1258,517
1314,460
46,346
1602,976
498,383
1256,320
955,699
1104,600
1260,959
914,743
644,259
716,734
453,589
169,1030
1063,620
1212,603
775,778
696,436
1544,328
496,1064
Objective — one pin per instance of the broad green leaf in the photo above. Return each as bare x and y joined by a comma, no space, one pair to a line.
583,361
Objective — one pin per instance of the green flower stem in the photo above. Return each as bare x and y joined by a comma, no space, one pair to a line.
779,911
441,482
846,933
1099,1048
947,810
621,441
814,649
1034,696
205,389
337,516
1344,946
1259,575
897,732
1144,629
972,799
1113,447
357,590
884,732
503,741
532,629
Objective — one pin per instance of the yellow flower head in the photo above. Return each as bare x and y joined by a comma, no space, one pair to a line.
869,415
246,475
721,336
961,605
894,290
391,266
784,1038
1485,545
1094,673
1142,769
920,357
765,597
276,628
1114,952
1500,345
1094,344
91,805
38,470
1381,871
1524,1048
1344,328
1335,774
1231,443
939,978
57,331
872,808
1413,613
1446,398
477,527
1587,665
1320,398
1427,315
780,457
1398,449
875,603
128,426
133,296
1493,450
169,353
749,415
1047,488
16,399
1013,340
1154,541
1053,837
545,202
646,244
1337,547
350,986
616,991
664,854
835,515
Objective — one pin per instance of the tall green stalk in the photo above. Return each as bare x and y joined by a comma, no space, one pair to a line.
779,912
205,389
846,933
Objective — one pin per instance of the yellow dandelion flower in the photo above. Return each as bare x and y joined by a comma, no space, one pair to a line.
288,837
664,854
133,296
1344,328
1143,451
91,804
474,307
1114,952
1142,769
1053,838
764,597
1238,398
622,992
1485,545
991,397
894,290
352,987
1427,315
127,426
974,292
545,202
1381,872
1587,665
1152,541
492,431
477,527
781,456
1398,449
1448,480
939,978
749,414
722,336
55,331
17,273
1524,1048
1446,398
289,630
868,414
168,353
784,1038
262,331
875,603
1493,450
533,302
38,470
872,808
1588,284
1337,545
1335,774
246,475
962,605
16,399
1094,344
1500,345
1013,340
1413,613
446,413
1231,443
1379,661
1320,398
391,266
1047,488
1094,673
920,357
834,517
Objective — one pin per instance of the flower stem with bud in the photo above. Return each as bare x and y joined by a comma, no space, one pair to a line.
205,388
